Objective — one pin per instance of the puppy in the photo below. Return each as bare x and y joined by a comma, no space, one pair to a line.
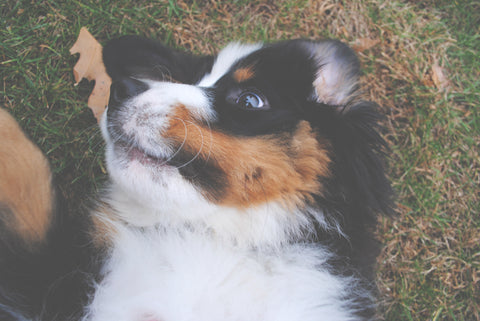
243,186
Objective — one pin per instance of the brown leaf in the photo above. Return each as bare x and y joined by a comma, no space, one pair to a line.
362,44
438,76
90,66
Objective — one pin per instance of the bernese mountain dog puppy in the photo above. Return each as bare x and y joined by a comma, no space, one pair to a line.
243,186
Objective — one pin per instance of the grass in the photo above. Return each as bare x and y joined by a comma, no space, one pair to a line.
430,266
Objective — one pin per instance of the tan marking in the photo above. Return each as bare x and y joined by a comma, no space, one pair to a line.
25,183
258,169
243,74
103,230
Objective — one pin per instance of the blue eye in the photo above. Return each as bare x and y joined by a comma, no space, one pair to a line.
250,100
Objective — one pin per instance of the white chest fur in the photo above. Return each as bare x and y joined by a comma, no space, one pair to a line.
158,275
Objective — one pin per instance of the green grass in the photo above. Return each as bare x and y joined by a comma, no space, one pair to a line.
430,266
435,242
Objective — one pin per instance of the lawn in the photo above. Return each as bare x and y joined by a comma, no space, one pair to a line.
421,62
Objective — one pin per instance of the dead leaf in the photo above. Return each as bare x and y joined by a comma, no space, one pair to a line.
90,66
438,76
362,44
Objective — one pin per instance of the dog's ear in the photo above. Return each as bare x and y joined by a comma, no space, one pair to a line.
336,78
136,57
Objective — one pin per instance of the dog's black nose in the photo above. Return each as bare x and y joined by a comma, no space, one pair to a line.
123,89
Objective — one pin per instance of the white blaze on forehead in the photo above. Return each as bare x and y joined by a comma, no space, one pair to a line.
225,60
164,96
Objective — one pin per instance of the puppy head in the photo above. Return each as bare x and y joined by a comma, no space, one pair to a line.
254,125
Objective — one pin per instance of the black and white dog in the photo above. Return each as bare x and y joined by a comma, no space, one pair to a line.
244,186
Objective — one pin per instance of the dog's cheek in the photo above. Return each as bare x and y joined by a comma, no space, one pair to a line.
289,170
244,172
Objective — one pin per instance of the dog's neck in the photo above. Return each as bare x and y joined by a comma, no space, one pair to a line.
269,225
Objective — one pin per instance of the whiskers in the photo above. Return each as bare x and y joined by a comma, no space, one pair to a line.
158,144
202,144
201,148
164,73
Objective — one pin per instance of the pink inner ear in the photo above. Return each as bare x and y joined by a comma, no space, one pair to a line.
334,84
336,78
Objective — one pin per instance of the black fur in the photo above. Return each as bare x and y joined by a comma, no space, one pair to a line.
136,57
51,279
284,74
359,188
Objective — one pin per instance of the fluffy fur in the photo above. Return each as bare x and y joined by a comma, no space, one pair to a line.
243,187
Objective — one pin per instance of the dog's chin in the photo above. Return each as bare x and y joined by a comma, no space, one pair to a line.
149,181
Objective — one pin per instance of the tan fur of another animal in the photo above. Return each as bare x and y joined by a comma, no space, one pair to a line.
25,183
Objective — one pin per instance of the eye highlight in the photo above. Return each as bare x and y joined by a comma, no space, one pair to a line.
251,100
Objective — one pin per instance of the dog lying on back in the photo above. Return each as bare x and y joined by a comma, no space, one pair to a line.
243,186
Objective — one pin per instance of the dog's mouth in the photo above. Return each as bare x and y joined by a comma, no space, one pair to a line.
135,153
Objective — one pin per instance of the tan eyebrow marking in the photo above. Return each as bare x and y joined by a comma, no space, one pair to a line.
244,74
